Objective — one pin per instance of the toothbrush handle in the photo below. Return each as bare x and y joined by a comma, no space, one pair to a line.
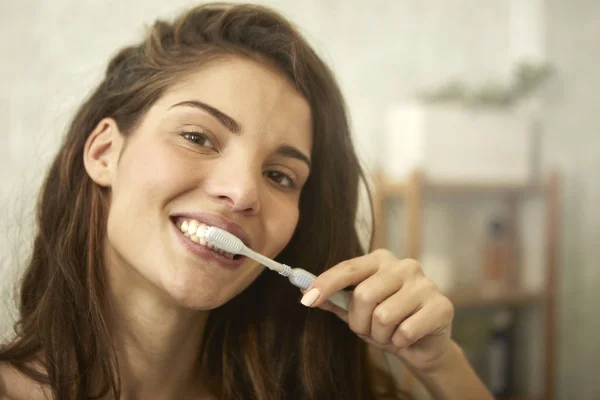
303,279
341,299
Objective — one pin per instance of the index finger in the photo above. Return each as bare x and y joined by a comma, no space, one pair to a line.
347,273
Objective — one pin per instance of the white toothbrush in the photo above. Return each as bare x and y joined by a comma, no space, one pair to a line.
297,276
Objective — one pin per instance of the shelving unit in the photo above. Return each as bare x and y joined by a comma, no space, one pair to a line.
479,298
415,190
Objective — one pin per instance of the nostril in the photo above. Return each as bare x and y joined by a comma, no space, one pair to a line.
226,200
242,204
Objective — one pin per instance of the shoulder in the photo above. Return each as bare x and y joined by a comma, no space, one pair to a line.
16,386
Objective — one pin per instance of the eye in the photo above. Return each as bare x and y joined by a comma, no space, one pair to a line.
280,178
198,139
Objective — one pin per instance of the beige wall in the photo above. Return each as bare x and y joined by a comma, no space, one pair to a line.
573,141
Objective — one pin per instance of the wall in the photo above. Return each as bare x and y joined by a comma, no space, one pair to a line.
573,142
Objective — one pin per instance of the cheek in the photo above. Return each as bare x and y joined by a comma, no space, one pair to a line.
280,228
147,178
153,173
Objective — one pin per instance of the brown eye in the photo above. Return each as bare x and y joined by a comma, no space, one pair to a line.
280,178
198,139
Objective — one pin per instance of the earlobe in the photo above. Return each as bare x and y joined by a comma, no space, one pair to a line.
101,151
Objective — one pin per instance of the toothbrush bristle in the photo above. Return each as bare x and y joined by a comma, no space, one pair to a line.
224,240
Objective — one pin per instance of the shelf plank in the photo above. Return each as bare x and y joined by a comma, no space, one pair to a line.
480,297
457,187
391,188
399,189
516,398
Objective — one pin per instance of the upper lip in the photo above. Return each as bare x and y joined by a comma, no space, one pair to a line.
219,222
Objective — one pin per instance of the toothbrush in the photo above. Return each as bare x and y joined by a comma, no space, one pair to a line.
297,276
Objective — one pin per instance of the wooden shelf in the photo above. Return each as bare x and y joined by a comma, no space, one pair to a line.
399,189
394,188
414,191
481,187
481,297
516,398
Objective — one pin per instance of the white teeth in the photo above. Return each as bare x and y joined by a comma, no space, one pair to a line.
196,232
193,227
201,231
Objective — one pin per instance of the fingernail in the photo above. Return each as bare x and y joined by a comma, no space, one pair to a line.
310,297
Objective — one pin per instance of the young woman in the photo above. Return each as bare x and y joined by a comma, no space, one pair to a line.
225,117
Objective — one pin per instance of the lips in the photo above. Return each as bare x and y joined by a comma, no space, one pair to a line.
217,221
197,244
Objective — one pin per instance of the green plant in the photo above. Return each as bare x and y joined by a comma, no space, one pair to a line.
527,78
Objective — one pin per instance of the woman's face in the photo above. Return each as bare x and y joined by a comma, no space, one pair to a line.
229,146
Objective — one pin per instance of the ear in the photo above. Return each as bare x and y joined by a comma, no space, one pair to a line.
101,152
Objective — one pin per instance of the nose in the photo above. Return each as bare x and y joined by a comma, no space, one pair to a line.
236,184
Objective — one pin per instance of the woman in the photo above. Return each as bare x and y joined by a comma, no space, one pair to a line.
227,118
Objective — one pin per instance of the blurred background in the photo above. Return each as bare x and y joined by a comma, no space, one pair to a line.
476,119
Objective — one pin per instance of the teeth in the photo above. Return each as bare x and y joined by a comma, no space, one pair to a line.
193,227
201,231
196,232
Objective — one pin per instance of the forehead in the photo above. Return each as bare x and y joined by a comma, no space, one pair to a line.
258,96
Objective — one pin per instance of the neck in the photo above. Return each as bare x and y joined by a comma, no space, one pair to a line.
157,342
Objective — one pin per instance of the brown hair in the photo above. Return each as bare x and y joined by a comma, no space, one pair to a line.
254,347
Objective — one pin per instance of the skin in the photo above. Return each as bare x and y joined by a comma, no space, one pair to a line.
182,159
398,310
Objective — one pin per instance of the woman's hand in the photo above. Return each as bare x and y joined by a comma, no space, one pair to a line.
394,307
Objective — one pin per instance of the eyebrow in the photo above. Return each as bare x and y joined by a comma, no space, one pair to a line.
231,124
289,151
235,127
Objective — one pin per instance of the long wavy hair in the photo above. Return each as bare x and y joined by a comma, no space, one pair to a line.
261,344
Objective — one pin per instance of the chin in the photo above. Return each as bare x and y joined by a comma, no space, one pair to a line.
195,294
208,300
